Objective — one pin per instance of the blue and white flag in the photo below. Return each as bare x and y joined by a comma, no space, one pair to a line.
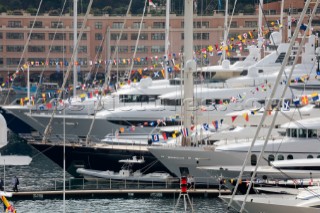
206,126
155,138
286,105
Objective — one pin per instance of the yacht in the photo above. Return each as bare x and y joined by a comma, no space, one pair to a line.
307,200
300,141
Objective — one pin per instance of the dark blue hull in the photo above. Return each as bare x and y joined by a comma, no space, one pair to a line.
15,124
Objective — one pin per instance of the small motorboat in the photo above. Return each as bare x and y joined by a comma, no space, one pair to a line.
126,173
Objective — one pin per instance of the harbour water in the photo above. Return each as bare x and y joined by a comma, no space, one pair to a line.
41,173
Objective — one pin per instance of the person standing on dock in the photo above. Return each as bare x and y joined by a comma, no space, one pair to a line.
15,182
1,185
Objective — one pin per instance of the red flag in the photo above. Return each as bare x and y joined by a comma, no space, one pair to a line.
164,135
233,118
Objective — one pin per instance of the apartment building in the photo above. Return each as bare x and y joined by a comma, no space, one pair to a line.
57,32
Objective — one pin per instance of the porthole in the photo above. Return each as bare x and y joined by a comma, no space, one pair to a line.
289,157
280,157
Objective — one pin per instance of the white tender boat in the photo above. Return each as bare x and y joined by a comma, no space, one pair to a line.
127,174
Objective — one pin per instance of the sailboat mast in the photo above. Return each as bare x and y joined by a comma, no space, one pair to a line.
189,66
260,37
225,31
281,21
166,43
75,59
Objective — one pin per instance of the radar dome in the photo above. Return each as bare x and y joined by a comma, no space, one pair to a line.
3,130
145,82
275,38
225,64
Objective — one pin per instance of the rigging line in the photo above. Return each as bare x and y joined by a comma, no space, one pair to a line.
268,106
25,48
269,29
278,78
94,68
108,71
51,45
137,41
68,71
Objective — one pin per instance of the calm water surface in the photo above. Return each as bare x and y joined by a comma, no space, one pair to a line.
41,171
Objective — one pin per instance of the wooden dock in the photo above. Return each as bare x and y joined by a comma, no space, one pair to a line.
100,193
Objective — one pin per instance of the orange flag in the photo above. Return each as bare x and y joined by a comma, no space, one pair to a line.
246,116
304,100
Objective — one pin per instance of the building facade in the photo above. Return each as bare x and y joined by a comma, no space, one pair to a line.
96,44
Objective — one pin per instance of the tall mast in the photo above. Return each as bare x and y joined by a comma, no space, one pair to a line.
166,43
189,66
75,59
225,31
281,20
260,37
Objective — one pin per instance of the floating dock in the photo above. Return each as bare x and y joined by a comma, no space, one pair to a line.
36,195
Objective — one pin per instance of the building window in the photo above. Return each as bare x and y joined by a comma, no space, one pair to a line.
1,48
37,24
140,49
37,36
79,24
157,36
14,24
253,160
58,49
143,36
1,36
83,37
98,25
15,36
121,49
98,36
98,49
115,36
13,61
136,25
14,48
57,36
36,48
82,49
56,24
234,24
201,36
199,24
157,49
159,25
117,25
250,24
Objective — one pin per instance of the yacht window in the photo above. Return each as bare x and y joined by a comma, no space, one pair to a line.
293,133
270,158
302,133
312,133
288,132
289,157
244,72
318,156
280,157
253,160
184,171
310,156
260,71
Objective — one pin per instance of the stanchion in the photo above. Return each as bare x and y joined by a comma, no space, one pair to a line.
184,194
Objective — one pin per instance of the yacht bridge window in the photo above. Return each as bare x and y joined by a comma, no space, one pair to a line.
137,98
171,102
301,133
